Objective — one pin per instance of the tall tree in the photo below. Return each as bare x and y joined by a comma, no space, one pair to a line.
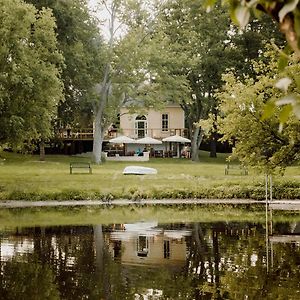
197,41
125,74
81,45
206,44
30,85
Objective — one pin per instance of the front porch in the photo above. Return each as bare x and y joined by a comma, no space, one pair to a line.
76,141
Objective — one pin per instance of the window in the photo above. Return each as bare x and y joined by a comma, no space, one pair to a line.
140,126
165,122
142,246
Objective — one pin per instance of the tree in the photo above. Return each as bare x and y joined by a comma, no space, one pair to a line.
81,45
125,75
196,42
30,85
259,142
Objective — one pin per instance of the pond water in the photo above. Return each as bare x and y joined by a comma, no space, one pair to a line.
149,260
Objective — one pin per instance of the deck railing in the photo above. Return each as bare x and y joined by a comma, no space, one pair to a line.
80,134
87,133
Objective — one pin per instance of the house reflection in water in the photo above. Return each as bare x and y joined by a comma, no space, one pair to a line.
147,244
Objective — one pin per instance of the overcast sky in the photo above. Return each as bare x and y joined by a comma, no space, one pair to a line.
103,15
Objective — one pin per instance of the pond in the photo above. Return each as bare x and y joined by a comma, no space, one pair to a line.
217,259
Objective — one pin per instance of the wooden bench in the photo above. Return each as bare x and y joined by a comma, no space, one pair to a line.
236,167
80,165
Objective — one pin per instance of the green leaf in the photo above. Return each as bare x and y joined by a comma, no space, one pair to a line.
297,79
268,110
282,62
297,24
285,113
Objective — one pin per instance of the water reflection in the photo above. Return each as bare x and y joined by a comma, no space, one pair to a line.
148,244
225,260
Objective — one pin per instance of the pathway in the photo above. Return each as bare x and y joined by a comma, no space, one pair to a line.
276,204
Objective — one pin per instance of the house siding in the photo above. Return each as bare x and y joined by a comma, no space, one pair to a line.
154,122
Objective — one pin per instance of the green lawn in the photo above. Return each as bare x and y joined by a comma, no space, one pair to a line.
25,177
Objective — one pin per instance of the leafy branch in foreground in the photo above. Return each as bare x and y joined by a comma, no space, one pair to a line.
251,119
287,15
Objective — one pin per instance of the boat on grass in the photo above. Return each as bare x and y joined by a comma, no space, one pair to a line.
138,170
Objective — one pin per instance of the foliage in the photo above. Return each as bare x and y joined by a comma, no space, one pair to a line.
125,77
253,121
30,85
286,13
82,47
197,47
31,281
193,52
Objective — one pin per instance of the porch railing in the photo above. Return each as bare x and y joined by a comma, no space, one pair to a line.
87,133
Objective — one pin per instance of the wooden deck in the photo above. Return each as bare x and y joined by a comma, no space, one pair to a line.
68,134
285,239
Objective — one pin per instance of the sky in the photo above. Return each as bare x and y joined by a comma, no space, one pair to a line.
103,15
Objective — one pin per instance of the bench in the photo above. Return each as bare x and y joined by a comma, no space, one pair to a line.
80,165
236,167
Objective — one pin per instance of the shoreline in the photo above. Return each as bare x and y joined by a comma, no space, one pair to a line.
274,204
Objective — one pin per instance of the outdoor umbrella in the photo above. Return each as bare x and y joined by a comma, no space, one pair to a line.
122,139
176,139
148,141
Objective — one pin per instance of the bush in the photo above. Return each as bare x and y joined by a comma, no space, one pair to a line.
281,190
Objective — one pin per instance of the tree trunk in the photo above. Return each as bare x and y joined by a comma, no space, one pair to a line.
42,151
216,252
195,144
214,134
98,138
102,258
213,145
99,246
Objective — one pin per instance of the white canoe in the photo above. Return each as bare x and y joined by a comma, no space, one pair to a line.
138,170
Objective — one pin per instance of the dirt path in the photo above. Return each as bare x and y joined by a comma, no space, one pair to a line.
276,204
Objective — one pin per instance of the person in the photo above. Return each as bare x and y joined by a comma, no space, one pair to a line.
139,152
188,152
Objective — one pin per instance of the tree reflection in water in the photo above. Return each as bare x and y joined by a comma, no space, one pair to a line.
183,261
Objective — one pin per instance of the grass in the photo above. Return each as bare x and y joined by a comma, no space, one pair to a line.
25,177
29,217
